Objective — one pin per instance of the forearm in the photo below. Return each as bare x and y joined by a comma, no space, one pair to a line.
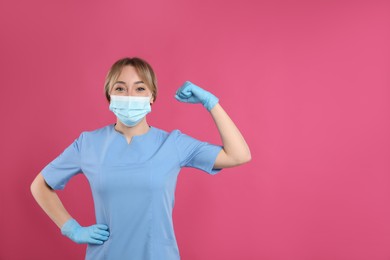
234,145
49,201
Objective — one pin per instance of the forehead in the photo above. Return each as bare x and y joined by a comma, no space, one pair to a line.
128,76
128,73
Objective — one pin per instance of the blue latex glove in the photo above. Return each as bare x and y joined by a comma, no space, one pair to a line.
191,93
95,234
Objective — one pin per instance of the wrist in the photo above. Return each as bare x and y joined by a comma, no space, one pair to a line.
211,102
69,227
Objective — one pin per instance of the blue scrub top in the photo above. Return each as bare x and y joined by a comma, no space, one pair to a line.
133,186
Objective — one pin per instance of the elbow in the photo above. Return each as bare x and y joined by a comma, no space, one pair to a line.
38,185
243,159
34,187
226,160
247,159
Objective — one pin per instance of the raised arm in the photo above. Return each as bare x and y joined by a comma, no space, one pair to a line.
235,150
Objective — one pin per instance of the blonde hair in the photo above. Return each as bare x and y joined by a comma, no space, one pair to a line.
143,69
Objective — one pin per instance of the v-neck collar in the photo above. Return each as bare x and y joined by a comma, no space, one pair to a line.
135,137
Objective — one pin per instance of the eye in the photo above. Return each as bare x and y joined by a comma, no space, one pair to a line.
119,87
140,89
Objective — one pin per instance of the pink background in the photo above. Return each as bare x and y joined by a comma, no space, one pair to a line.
307,83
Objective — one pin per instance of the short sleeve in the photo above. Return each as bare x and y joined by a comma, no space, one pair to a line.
196,154
58,172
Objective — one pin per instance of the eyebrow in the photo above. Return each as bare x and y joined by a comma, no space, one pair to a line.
137,82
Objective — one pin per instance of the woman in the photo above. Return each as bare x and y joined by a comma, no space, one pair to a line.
132,168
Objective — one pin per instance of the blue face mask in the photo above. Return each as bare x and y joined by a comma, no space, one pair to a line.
130,110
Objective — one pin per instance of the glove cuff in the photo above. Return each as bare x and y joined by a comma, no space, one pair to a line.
68,228
211,102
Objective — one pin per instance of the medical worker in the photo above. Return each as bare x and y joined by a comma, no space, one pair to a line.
132,168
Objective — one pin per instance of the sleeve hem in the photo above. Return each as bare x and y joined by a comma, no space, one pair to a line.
212,170
49,182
